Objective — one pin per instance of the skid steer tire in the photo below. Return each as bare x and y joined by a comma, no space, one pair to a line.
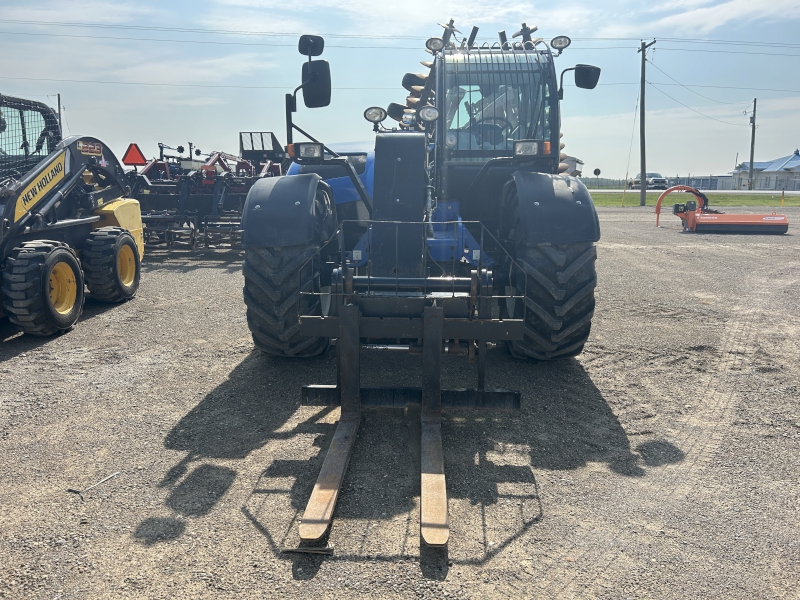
43,287
272,286
559,299
111,264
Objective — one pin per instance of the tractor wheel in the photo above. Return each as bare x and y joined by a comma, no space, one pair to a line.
272,286
111,264
43,287
557,282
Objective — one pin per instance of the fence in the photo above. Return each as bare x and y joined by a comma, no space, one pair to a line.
701,182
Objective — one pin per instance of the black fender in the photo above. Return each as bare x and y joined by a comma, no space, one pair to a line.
280,211
554,209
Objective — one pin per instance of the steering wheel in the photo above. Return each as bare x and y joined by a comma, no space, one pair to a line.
500,128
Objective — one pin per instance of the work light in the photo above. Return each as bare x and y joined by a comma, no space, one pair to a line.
526,148
434,44
428,113
375,114
305,150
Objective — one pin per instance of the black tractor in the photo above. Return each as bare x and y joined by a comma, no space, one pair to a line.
454,233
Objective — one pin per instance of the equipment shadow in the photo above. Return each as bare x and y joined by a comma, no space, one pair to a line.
185,260
14,342
491,458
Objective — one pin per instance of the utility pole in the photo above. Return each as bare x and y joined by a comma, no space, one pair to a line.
750,183
61,129
643,163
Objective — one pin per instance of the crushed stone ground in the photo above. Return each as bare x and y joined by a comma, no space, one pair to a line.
661,463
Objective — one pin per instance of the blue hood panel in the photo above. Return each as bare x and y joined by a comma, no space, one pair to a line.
343,189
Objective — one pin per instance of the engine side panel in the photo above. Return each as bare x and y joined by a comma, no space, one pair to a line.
397,249
124,213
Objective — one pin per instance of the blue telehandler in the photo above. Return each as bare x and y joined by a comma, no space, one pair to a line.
454,233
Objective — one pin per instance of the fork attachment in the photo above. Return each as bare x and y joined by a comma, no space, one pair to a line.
350,327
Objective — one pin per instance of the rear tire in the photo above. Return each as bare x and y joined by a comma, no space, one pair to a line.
111,264
272,292
43,287
557,282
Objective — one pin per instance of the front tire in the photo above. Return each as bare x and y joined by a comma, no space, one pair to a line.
557,283
43,287
273,281
559,299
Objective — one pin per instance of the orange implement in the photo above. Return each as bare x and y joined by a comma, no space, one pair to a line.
699,218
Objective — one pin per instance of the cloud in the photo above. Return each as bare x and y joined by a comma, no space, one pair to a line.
214,70
78,11
709,18
365,17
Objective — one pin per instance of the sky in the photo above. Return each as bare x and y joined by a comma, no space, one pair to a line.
187,71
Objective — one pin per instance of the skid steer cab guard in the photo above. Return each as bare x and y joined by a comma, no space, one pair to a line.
454,232
66,222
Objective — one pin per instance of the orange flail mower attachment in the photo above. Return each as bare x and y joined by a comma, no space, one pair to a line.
699,218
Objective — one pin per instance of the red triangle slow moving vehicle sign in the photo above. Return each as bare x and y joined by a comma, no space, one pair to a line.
134,157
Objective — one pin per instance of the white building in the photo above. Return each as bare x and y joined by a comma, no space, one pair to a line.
779,174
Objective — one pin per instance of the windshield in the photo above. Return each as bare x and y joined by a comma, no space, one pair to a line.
494,99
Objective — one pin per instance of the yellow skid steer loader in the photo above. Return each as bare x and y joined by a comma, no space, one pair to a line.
66,222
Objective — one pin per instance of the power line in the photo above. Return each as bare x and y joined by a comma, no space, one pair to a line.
275,87
729,52
654,86
217,42
630,147
205,31
694,41
724,87
652,64
221,43
201,85
370,47
213,42
361,36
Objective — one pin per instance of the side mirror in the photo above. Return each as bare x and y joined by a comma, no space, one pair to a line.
316,79
311,45
586,76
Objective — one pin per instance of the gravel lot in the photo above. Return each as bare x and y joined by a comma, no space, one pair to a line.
662,463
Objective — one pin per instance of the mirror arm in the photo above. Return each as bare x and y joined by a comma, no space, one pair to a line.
561,83
291,107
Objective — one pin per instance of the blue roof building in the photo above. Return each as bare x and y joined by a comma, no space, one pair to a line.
779,174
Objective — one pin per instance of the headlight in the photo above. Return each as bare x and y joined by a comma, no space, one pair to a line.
305,150
451,140
428,113
434,44
560,42
375,114
526,148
